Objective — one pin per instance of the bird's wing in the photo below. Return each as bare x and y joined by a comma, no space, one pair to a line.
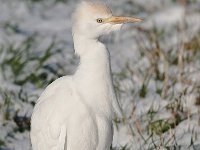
48,122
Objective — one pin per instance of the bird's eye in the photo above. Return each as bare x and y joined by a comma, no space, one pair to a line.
99,20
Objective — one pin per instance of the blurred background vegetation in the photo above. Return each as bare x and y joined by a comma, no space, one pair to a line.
156,69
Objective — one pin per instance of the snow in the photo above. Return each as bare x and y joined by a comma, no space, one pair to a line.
49,21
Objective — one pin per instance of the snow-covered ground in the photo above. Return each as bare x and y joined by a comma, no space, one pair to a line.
155,64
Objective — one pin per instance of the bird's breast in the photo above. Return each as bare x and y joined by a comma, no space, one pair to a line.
97,97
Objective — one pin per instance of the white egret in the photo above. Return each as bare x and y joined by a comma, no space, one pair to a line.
75,112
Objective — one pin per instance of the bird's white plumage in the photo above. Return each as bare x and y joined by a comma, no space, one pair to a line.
75,112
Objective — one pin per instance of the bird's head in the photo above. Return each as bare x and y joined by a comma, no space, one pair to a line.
93,19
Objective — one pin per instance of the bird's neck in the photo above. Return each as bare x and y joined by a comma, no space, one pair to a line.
94,58
93,73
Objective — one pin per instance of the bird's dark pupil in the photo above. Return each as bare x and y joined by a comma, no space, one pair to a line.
99,20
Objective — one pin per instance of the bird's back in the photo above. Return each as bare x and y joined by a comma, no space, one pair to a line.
62,120
48,122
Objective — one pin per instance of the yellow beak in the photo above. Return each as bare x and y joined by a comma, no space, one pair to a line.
121,19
